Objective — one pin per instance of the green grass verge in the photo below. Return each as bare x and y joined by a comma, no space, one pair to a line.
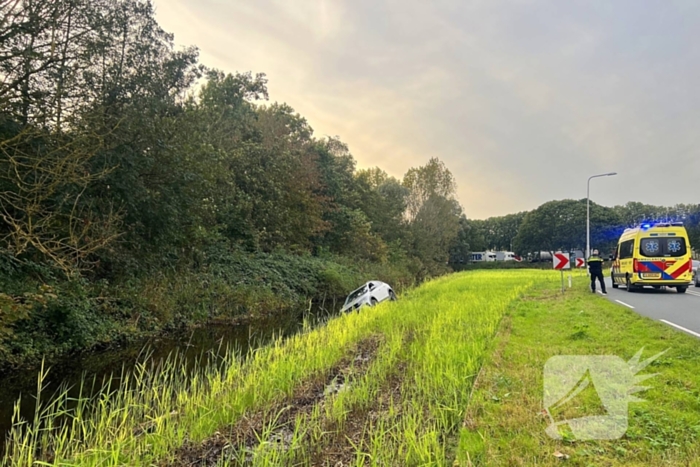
433,342
505,424
412,406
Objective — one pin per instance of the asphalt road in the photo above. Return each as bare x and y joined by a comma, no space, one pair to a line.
681,311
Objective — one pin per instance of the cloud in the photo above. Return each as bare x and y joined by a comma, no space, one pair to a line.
523,100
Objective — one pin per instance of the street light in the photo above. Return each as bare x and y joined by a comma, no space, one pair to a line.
588,211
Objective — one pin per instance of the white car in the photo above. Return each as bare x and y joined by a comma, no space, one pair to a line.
696,272
371,293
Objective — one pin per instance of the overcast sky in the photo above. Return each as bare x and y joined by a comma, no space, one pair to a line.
522,99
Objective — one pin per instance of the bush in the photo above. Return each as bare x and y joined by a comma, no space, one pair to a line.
65,315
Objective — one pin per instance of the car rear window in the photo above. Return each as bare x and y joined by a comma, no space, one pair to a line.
663,246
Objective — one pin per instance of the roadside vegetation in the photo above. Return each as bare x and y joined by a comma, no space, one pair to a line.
505,424
141,190
61,316
451,374
386,386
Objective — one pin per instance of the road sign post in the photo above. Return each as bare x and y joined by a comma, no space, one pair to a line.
561,261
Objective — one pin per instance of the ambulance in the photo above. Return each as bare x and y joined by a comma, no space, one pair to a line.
654,255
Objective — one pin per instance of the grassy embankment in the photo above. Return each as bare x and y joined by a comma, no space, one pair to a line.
388,384
392,386
505,424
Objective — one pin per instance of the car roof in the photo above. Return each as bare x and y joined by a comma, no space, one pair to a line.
374,283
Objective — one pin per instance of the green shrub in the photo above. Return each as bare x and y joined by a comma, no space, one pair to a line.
223,283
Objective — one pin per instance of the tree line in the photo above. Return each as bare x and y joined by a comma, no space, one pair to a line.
561,225
123,158
116,146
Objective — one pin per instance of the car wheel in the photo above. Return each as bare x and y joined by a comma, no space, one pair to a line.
697,281
630,288
373,301
392,296
681,288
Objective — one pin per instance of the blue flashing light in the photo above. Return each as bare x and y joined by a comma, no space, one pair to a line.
646,226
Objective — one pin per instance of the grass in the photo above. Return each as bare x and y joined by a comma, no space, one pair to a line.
505,424
404,409
392,385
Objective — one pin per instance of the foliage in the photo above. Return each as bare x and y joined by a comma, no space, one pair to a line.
45,321
126,162
433,213
497,233
562,225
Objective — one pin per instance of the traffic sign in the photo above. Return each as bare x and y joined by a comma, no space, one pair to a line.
561,261
580,263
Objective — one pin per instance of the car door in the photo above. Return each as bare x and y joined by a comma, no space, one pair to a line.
375,291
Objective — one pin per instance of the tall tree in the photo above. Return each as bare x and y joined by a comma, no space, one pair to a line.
433,212
383,200
425,182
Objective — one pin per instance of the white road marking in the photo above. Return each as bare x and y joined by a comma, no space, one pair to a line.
697,294
626,304
680,327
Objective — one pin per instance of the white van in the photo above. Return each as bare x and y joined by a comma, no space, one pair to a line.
482,256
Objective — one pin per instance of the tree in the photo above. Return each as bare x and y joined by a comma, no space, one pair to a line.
434,230
465,242
562,224
433,213
498,233
43,180
432,179
383,200
40,55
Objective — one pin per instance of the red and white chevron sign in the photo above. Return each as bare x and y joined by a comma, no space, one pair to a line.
580,263
561,261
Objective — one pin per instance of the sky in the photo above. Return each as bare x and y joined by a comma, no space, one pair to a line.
523,100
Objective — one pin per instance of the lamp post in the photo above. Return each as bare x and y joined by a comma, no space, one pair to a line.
588,211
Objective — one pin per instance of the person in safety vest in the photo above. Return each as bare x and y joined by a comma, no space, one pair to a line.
595,267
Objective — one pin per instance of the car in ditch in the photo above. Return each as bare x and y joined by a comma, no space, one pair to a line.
369,294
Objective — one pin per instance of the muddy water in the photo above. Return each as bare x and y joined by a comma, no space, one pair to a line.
108,364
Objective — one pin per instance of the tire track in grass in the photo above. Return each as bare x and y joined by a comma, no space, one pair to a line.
277,425
349,429
354,441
